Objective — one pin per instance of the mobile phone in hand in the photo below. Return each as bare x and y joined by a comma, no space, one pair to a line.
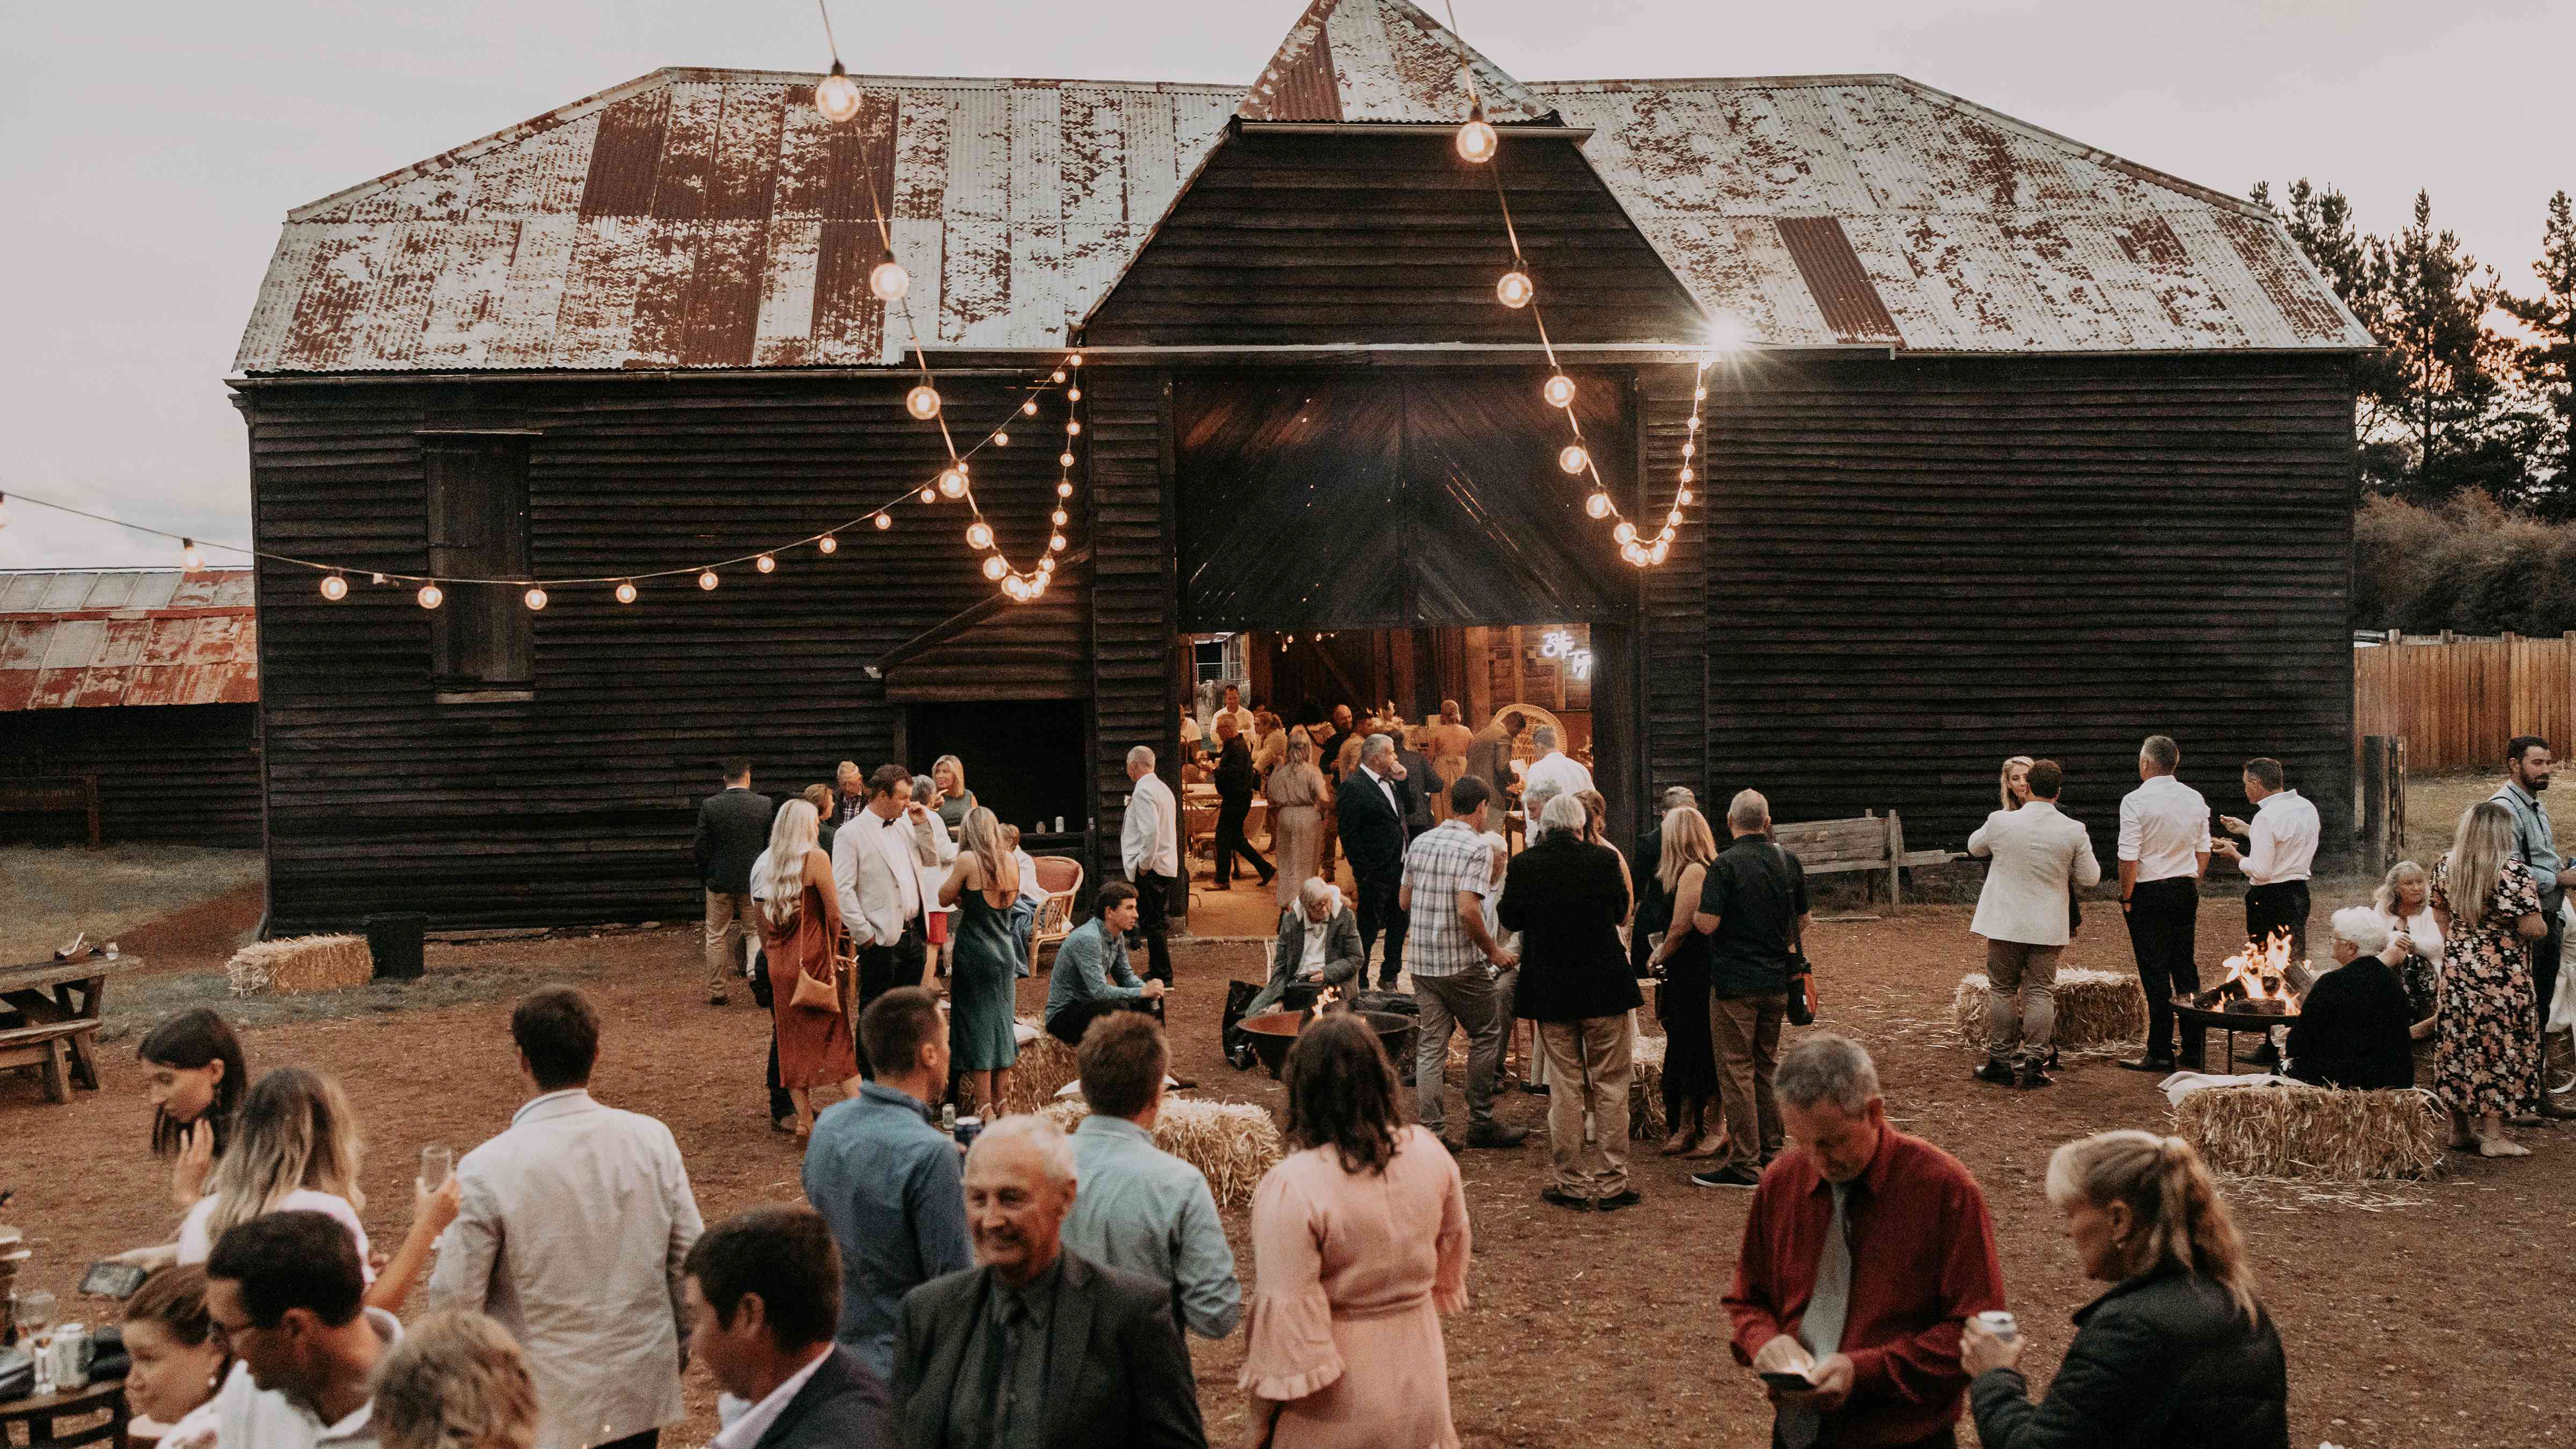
1788,1381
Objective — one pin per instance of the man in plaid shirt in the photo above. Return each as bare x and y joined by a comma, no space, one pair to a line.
1454,960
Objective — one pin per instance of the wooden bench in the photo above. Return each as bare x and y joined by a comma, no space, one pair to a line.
50,1013
56,794
1870,843
47,1048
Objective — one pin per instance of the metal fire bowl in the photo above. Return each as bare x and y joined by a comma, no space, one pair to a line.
1272,1033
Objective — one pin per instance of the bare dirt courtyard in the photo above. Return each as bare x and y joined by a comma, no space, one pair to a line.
2418,1314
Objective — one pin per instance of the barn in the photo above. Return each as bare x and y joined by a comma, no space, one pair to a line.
2026,448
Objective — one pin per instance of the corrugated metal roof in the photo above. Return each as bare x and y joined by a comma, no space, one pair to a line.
709,218
90,639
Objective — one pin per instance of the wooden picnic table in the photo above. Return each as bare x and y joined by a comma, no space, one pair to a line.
49,1018
42,1416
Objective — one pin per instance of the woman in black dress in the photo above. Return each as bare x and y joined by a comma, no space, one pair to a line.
1690,1048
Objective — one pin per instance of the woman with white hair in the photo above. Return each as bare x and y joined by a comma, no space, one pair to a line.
2488,904
797,908
2351,1030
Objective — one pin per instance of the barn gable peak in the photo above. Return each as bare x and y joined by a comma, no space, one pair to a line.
1380,60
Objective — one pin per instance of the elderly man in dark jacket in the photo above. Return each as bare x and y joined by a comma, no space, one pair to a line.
1566,898
1319,941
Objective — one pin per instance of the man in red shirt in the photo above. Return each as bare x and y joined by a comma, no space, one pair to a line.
1865,1252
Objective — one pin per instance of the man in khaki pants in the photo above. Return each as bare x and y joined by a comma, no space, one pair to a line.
733,828
2025,912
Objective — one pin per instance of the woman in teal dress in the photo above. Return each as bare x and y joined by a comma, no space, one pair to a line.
984,886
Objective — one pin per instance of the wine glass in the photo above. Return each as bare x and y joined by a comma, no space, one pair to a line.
34,1310
436,1162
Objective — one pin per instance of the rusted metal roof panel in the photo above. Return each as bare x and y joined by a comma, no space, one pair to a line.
1379,60
93,639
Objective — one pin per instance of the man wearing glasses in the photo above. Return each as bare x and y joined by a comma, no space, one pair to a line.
285,1294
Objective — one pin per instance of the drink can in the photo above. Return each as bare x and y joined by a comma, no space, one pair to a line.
968,1129
69,1357
2000,1324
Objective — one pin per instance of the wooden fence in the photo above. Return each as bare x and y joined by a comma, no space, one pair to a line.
2455,700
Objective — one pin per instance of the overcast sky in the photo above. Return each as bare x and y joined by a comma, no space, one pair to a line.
148,151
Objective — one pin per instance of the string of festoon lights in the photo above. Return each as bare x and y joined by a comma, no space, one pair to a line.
837,98
1480,144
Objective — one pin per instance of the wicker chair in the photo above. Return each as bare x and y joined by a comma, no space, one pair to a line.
1061,877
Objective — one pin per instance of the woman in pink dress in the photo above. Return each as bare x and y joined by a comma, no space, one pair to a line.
1359,1244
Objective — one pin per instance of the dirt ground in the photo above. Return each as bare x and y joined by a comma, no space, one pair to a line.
2432,1314
192,903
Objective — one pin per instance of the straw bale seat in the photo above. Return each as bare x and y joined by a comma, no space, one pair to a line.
301,964
1232,1144
2094,1009
2318,1134
1045,1065
1646,1089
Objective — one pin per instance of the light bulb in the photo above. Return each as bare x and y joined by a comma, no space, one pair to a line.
1559,391
952,482
1030,407
1656,554
1055,542
889,281
1689,448
1058,375
707,580
1016,589
1075,359
922,402
766,563
334,587
827,544
929,494
1037,586
1515,289
1725,334
1063,489
1573,459
1001,439
191,557
1699,394
1057,518
1073,427
431,596
626,592
884,521
1064,460
1632,553
1686,475
1626,532
1476,139
1046,565
994,568
1684,497
836,95
1694,422
1073,394
536,598
979,534
1673,519
1598,505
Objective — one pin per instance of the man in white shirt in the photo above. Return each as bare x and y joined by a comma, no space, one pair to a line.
763,1293
2025,912
2164,848
1149,848
1550,775
877,860
1233,705
285,1294
2281,845
571,1233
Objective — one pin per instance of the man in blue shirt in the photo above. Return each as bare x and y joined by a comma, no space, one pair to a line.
2528,767
1136,1206
1091,975
886,1178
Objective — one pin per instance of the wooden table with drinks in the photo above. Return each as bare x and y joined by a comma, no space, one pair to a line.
67,1398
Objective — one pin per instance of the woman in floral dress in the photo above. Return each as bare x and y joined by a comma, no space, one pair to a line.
2488,905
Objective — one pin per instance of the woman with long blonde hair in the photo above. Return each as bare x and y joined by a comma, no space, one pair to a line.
2179,1351
2012,787
1690,1044
984,887
2488,906
797,907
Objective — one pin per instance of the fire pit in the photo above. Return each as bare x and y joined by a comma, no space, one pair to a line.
1272,1033
2260,991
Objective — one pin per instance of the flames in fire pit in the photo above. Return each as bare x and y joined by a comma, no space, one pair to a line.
1329,995
2259,979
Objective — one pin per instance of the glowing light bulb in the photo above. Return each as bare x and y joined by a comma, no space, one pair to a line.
994,568
1684,497
827,544
1064,460
626,592
1559,391
1632,553
952,482
1656,554
707,580
922,402
929,493
1686,475
888,281
1015,588
1073,427
1699,394
1037,586
1046,565
1598,505
1075,359
1030,407
1673,519
1726,334
1073,394
884,521
1476,139
1001,439
1515,289
1689,449
191,557
1055,542
766,563
979,534
1059,374
334,587
431,596
536,598
1057,518
1626,532
1573,459
836,95
1694,422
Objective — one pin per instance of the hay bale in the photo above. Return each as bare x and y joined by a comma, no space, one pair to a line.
2313,1133
1646,1089
1232,1144
300,964
1044,1066
2094,1009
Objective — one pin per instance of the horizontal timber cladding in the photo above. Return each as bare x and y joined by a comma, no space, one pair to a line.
578,803
1134,686
1674,643
1296,239
174,774
1919,568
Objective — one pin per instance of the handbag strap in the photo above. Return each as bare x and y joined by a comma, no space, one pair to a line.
1797,931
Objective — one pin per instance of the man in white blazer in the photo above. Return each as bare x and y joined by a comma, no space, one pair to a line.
877,860
2041,857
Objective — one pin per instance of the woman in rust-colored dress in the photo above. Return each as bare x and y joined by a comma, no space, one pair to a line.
799,915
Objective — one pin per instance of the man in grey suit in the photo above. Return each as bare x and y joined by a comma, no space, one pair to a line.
733,828
1319,940
1038,1348
2026,913
763,1291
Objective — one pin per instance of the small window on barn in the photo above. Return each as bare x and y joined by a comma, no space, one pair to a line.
483,640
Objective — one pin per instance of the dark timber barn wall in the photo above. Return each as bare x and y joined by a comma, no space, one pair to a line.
185,773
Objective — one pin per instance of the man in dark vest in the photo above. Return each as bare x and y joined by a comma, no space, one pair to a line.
733,828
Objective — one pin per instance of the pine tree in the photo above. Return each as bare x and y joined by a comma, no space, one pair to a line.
2546,364
2319,221
2433,303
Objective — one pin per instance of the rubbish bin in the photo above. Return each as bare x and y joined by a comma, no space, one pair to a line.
394,940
